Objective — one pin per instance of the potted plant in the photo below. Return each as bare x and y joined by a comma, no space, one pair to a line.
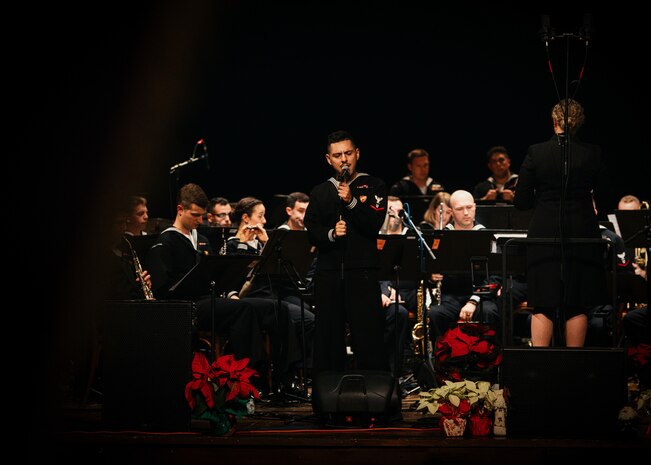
459,401
220,392
467,351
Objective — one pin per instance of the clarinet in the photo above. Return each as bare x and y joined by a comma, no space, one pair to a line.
149,295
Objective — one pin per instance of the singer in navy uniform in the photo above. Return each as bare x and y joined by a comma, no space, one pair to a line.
539,187
343,219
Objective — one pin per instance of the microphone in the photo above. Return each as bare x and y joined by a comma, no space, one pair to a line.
545,31
441,216
345,174
587,30
205,156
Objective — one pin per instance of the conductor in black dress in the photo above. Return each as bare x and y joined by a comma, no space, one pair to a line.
539,187
343,219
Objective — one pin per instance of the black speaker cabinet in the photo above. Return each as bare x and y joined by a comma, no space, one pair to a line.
146,364
563,392
362,397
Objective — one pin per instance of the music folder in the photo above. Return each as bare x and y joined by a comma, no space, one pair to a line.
227,271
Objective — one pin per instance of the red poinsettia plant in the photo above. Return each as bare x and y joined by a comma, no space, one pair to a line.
221,391
467,351
640,354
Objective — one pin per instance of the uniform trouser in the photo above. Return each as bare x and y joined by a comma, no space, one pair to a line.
445,316
354,299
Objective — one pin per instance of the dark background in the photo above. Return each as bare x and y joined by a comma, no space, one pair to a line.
265,84
123,93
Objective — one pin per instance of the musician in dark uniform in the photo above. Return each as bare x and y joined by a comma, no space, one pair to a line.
177,250
500,187
418,181
539,187
343,219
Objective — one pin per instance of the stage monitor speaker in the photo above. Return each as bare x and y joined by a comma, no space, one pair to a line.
563,391
360,398
147,357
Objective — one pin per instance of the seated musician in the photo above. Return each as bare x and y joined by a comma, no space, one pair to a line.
458,303
177,250
251,237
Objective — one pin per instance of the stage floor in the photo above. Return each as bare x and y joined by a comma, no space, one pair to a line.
290,433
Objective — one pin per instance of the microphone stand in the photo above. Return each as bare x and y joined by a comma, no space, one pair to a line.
564,140
175,169
423,246
189,161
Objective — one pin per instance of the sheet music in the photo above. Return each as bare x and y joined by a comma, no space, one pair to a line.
613,219
495,248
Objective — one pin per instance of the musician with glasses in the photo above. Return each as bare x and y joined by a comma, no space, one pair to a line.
219,212
343,219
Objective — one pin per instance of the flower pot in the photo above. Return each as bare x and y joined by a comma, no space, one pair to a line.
223,424
480,425
454,427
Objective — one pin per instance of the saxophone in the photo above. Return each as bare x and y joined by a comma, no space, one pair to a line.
418,331
149,295
642,253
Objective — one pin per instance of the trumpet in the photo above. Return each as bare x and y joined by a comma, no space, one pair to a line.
147,292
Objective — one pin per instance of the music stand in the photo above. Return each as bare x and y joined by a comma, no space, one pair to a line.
212,274
287,248
464,253
289,254
635,226
275,210
494,216
520,219
398,255
454,249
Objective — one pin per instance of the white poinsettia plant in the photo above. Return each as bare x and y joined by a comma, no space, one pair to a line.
459,398
643,404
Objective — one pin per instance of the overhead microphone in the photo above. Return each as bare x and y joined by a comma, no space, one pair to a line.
587,30
545,31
